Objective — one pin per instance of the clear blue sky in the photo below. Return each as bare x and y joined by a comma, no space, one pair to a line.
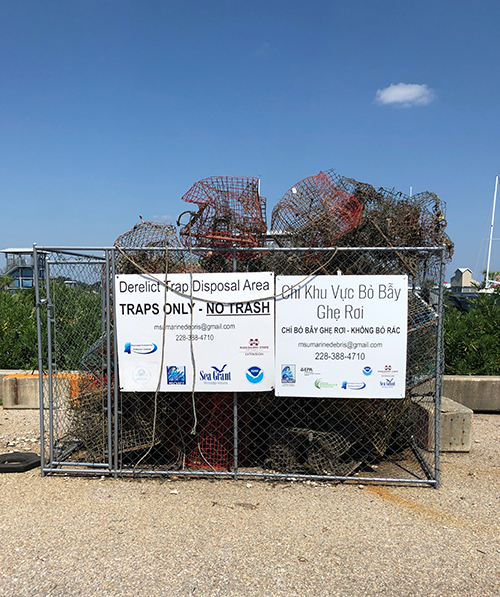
114,108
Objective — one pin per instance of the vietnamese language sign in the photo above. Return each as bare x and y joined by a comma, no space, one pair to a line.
341,336
229,326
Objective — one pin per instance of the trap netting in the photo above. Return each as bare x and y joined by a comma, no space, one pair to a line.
329,210
161,242
315,212
231,213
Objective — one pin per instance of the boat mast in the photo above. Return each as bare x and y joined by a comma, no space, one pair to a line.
487,282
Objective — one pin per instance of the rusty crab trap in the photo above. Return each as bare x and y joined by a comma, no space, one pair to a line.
231,214
329,210
315,212
393,219
89,423
303,451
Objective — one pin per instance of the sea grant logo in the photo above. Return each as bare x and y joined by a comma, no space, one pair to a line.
288,374
388,383
176,376
216,376
255,374
146,348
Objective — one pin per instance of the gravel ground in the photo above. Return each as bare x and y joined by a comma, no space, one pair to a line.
64,536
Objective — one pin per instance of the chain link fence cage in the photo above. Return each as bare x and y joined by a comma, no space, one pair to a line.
89,426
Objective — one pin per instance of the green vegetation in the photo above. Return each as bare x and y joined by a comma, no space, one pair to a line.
472,340
18,339
77,325
491,276
5,282
77,317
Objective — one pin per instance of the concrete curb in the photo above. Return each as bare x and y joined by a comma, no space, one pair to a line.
477,392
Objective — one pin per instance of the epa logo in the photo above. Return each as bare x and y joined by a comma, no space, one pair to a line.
255,374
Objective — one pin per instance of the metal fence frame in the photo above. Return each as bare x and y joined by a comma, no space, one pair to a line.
59,461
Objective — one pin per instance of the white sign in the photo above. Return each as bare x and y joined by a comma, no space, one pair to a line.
224,337
341,336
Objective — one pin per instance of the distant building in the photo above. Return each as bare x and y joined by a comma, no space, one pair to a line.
19,267
462,282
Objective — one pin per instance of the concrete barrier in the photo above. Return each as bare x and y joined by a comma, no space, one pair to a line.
21,390
4,373
477,392
455,425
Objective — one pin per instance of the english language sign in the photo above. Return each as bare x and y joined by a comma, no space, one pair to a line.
216,330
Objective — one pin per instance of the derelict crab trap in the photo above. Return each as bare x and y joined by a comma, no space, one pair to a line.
96,419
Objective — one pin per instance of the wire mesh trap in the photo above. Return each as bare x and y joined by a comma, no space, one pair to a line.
315,212
297,450
329,210
231,213
152,247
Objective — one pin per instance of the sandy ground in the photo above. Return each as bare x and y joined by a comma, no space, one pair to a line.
99,536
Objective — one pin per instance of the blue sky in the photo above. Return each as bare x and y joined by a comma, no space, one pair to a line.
114,108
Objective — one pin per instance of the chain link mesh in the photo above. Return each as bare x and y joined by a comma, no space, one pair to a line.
91,425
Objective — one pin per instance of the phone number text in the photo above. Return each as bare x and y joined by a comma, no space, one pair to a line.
339,356
193,337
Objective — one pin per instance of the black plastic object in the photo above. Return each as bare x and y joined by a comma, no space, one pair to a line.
18,462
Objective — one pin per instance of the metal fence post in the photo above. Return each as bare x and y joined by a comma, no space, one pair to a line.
50,372
40,355
235,404
108,360
438,386
114,432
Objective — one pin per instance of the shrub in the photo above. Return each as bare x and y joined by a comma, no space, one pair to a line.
77,325
18,337
472,340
